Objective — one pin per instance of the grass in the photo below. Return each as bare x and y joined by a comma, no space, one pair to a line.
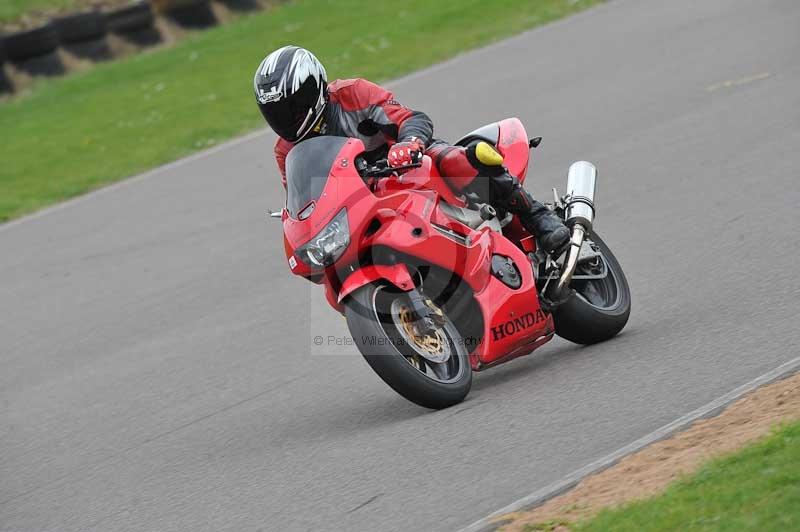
757,488
71,135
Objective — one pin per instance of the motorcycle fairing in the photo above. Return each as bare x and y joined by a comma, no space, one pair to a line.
425,177
396,274
403,214
307,167
511,140
513,145
471,261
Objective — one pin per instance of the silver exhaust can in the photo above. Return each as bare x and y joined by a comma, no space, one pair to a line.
581,184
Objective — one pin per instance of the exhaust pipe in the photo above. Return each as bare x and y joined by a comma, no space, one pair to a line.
578,213
581,186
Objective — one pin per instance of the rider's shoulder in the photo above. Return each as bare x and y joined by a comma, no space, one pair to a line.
356,92
349,84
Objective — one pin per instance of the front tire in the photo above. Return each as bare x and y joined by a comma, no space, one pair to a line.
374,316
598,309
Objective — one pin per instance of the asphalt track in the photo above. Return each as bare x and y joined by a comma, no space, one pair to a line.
158,369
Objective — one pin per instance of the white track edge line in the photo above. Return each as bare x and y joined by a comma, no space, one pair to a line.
540,496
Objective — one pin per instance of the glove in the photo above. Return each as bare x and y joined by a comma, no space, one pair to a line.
406,152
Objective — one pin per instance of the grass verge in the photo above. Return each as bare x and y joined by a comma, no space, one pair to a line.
757,488
676,486
71,135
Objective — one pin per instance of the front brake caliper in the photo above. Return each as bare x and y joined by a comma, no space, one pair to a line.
428,316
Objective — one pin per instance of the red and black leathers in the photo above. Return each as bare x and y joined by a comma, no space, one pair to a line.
361,109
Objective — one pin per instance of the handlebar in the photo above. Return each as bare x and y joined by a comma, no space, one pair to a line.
382,168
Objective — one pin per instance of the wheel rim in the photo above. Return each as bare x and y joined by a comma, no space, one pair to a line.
603,294
432,346
437,359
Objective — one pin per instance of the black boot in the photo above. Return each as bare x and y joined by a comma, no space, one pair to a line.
544,224
551,233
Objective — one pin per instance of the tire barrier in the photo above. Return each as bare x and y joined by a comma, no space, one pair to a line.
5,84
81,27
131,18
241,5
190,14
85,34
33,51
31,43
134,23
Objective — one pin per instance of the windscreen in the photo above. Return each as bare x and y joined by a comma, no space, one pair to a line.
307,167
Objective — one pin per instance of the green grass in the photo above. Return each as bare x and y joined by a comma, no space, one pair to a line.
757,488
71,135
11,10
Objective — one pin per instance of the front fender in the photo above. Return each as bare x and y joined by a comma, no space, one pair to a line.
397,274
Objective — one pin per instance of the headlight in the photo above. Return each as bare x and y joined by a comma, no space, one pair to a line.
328,245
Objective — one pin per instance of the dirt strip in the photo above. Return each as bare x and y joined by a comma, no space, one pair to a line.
650,470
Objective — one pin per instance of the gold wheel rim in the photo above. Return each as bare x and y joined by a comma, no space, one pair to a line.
431,343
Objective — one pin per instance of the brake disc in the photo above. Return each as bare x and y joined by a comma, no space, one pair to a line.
433,345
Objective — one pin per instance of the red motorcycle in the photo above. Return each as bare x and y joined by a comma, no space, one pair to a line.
435,285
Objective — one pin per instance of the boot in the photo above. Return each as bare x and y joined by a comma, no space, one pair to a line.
508,193
550,232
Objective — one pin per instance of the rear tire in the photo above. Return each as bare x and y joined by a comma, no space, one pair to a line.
598,309
388,351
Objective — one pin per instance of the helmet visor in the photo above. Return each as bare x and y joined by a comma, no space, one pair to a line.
285,117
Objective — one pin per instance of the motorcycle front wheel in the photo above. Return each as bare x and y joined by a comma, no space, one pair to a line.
432,371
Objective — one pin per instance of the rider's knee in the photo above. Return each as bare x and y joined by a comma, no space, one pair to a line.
461,165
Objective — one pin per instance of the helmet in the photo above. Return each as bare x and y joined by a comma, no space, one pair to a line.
291,89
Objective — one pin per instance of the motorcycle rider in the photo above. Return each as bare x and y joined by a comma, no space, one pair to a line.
296,100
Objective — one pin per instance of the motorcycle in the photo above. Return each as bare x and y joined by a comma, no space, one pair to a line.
435,285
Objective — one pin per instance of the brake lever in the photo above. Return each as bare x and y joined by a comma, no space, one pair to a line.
377,171
405,167
381,168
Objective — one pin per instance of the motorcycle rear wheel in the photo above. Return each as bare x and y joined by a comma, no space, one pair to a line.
377,330
599,309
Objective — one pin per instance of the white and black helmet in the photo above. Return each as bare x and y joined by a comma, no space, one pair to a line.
291,88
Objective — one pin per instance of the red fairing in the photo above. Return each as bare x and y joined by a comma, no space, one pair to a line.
424,177
513,146
397,274
404,215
